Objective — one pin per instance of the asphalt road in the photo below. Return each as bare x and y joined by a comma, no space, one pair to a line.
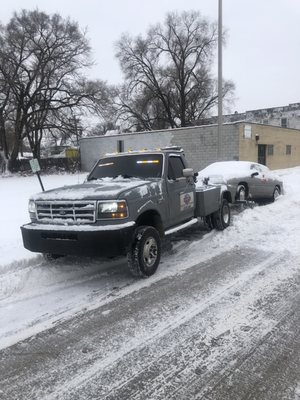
227,328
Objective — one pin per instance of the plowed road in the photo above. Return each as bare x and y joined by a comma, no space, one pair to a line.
224,328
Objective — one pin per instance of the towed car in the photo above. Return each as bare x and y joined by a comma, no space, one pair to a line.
246,180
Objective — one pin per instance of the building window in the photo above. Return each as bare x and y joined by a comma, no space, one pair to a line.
247,132
270,149
288,150
284,122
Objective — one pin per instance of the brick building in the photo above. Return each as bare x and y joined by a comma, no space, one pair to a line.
273,146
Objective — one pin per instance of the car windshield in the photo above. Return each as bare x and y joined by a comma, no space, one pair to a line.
128,166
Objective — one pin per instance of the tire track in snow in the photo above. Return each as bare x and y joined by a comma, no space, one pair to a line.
82,379
216,346
56,295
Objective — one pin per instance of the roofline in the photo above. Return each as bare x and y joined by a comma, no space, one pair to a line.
272,108
171,149
243,121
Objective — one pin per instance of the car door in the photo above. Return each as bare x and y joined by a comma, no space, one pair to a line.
181,192
259,185
269,181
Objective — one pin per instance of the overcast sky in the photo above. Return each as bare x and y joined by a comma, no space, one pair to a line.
262,54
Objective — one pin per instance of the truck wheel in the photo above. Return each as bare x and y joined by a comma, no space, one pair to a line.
221,218
144,254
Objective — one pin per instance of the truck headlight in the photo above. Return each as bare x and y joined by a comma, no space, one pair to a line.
31,207
112,209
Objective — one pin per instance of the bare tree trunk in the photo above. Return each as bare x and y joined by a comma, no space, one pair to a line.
3,141
14,153
3,163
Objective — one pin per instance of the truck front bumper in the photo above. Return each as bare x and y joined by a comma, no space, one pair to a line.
83,240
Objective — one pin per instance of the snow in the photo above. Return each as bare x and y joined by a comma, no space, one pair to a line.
183,226
221,172
109,186
112,132
78,228
15,192
220,326
36,295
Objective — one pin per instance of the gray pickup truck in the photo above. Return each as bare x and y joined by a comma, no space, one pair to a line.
127,205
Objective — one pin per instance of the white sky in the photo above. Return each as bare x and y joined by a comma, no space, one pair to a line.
262,55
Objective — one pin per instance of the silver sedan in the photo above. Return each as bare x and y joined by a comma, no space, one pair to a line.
246,180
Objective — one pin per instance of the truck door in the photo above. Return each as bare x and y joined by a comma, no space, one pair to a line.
181,192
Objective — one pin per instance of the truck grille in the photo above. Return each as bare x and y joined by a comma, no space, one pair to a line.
69,212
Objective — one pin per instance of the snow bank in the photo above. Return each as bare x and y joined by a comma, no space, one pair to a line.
15,192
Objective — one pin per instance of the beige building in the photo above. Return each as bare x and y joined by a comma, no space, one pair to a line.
273,146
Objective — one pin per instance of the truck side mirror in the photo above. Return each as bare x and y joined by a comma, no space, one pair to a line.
188,172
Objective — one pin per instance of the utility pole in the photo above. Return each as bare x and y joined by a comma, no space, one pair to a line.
220,81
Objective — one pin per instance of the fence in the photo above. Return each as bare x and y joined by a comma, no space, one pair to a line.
49,165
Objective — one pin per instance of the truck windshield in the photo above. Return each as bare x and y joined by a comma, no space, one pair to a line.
129,166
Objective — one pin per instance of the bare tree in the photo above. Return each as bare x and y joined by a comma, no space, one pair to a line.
42,60
168,78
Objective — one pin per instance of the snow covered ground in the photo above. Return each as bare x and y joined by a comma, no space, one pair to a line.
36,295
15,191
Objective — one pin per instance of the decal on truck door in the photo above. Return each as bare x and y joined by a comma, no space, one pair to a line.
186,201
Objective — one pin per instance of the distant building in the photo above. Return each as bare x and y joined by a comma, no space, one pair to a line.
285,116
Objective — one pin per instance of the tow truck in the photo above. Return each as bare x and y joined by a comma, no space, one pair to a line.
128,204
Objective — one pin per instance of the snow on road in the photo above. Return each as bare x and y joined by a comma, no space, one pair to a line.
36,295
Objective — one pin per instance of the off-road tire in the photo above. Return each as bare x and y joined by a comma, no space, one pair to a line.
221,218
144,254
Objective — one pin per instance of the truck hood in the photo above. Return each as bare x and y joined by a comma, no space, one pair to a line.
104,189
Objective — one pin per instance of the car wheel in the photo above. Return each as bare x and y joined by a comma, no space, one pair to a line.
276,193
221,218
144,255
241,193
